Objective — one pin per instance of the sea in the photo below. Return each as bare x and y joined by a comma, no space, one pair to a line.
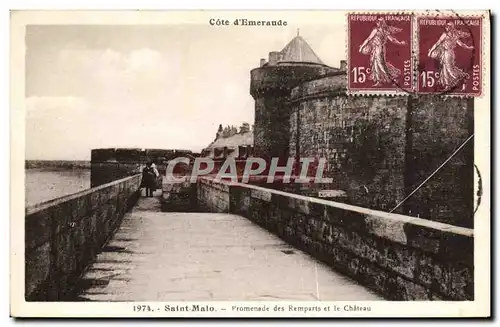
44,184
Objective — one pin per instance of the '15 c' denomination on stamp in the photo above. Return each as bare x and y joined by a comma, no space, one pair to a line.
380,52
449,59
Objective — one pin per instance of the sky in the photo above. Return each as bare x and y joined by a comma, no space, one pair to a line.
156,86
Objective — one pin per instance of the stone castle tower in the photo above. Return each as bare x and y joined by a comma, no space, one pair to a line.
271,85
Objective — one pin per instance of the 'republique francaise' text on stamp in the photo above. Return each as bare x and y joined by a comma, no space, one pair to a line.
449,55
380,52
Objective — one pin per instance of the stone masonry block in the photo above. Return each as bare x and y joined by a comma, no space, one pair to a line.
450,279
370,275
442,242
387,228
94,201
64,254
402,289
348,219
79,207
385,254
400,259
61,216
299,204
260,194
38,228
37,268
462,282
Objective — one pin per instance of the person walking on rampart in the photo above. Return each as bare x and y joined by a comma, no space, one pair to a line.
157,175
149,179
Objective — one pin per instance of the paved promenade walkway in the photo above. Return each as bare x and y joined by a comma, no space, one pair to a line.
157,256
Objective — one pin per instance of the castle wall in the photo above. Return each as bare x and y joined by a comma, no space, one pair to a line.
64,235
439,126
272,126
380,148
109,165
363,139
270,87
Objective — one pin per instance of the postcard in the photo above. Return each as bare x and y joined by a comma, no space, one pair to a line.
250,163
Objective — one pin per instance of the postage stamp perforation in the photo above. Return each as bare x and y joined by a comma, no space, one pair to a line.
484,53
346,52
386,94
485,35
447,13
414,56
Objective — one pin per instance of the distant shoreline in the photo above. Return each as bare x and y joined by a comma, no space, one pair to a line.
57,164
55,169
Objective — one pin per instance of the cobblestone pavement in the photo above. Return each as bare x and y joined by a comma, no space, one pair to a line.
157,256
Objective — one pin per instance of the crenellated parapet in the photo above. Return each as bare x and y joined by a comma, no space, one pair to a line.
271,86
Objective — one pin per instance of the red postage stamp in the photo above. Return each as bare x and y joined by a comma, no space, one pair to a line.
449,55
380,52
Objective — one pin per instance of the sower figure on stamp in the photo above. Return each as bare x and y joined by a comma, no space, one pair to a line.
375,46
149,179
444,51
